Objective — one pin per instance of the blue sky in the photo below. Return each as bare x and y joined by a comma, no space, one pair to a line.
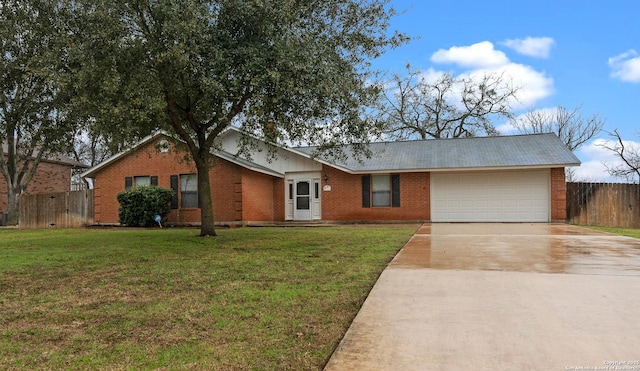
567,53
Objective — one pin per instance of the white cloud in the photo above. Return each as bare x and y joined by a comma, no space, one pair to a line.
538,47
431,75
593,157
626,66
533,85
482,58
480,55
507,129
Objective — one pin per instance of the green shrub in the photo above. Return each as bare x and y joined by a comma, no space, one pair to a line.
139,205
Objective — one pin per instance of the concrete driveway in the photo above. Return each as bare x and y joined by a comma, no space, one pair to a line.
501,297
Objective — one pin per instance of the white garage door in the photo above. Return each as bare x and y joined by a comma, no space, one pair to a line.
483,196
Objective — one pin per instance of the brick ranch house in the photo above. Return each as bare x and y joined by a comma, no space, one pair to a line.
52,175
489,179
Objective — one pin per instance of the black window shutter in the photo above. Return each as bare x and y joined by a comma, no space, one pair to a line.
174,188
127,182
395,190
366,191
154,180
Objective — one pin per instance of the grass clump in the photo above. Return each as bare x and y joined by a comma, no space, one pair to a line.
629,232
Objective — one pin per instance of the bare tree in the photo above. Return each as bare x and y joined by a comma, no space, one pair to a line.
569,125
413,107
629,153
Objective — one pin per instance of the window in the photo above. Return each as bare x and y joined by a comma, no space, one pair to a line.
188,191
302,195
140,181
381,191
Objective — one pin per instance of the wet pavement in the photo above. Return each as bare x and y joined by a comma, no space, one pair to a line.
501,296
543,248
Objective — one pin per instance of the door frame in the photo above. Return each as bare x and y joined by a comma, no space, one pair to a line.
315,196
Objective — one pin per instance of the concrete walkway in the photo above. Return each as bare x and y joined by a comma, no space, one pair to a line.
501,297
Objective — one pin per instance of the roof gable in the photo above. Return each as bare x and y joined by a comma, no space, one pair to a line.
91,172
221,153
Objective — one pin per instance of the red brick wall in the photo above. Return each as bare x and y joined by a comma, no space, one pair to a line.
49,178
225,179
558,195
344,201
257,196
278,199
224,176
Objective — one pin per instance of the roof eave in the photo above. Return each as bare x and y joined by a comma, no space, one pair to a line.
479,168
72,164
235,160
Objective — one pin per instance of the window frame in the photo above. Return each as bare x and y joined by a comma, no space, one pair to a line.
376,192
130,181
368,191
194,203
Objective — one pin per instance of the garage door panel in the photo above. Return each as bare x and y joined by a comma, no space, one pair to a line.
507,196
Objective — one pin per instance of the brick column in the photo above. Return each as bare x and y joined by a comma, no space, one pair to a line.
558,195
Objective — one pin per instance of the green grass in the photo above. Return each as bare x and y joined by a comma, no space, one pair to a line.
629,232
251,298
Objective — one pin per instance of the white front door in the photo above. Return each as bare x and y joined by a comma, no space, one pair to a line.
302,200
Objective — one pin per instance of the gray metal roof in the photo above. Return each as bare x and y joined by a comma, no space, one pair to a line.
535,150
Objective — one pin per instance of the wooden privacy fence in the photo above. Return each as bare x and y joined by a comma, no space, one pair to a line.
604,204
56,210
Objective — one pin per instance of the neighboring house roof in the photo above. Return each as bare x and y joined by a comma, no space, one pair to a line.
66,161
57,159
533,150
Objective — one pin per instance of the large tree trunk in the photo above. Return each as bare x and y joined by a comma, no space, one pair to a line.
201,156
13,210
204,199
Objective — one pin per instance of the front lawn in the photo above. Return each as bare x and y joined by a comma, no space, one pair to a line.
251,298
